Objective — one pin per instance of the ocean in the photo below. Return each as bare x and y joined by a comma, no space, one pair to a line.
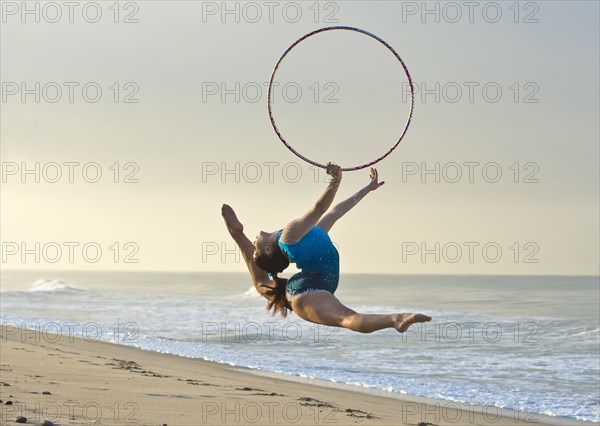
527,343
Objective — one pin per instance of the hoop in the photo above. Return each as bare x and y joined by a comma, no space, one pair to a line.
320,30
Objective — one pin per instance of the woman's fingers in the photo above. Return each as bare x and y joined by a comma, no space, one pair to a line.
333,169
374,174
374,179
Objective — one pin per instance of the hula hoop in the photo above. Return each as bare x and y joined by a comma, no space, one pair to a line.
320,30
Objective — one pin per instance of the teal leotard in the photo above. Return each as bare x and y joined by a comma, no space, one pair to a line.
318,260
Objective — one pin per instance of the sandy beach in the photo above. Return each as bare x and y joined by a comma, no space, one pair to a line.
69,380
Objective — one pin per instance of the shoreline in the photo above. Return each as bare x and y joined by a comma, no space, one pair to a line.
111,383
490,413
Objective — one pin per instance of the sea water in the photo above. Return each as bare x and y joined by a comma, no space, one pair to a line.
530,344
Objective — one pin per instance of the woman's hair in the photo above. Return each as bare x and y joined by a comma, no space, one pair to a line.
279,303
274,263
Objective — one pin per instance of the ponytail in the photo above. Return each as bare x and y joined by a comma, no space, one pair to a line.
274,262
279,303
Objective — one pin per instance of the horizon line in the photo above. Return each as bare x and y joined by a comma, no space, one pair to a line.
345,273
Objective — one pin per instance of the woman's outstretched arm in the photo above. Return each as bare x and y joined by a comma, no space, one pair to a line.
342,208
260,279
298,228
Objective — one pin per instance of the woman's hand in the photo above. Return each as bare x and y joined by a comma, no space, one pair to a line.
335,171
374,184
234,226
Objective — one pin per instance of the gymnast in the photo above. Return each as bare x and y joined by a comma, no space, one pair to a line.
305,241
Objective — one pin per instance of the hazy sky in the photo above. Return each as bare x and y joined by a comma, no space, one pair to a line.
498,173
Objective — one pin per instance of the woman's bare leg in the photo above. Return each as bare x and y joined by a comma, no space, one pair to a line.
324,308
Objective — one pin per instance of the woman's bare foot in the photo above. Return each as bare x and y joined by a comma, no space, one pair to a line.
233,224
403,321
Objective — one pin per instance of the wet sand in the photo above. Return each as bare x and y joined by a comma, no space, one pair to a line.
69,380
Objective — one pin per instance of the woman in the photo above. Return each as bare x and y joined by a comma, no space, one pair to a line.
305,241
